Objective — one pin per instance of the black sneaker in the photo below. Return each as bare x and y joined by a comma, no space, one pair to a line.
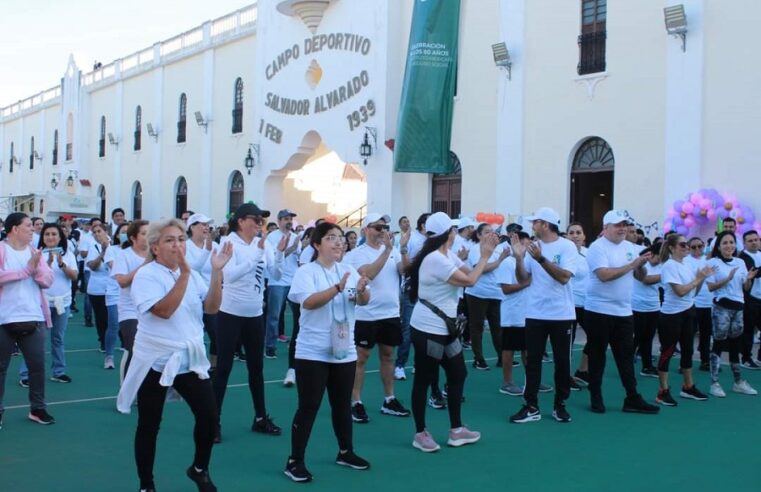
437,401
750,364
561,414
359,414
499,361
574,385
693,393
270,354
63,378
352,461
445,395
527,413
582,377
664,398
266,426
596,403
41,416
296,471
24,383
516,363
546,358
481,365
636,404
467,346
202,479
649,372
394,407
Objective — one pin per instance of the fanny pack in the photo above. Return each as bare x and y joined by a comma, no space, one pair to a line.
728,304
455,326
20,328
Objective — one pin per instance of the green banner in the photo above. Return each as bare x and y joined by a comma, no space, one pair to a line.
424,128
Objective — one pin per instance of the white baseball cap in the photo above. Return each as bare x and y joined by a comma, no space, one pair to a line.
546,214
373,218
465,222
438,223
196,218
615,217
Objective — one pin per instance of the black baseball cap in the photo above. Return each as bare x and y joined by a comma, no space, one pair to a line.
250,209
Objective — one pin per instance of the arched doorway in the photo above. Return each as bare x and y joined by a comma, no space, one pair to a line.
137,201
235,192
592,184
180,197
102,196
446,189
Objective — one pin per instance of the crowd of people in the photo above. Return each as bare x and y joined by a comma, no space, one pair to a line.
160,289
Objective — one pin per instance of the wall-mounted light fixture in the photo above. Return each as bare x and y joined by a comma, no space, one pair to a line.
366,147
55,180
72,176
676,23
153,132
113,140
201,121
252,157
37,156
502,58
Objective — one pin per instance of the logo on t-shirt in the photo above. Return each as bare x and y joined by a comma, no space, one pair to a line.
629,256
556,259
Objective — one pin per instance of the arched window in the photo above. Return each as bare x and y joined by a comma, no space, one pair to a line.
10,167
182,119
138,127
102,197
236,191
180,197
102,140
594,155
238,106
446,189
137,201
592,184
31,154
592,38
55,147
69,137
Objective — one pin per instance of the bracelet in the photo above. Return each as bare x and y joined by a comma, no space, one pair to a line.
338,288
541,260
403,250
62,265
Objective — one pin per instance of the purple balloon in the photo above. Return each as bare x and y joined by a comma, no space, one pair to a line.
682,230
678,205
722,213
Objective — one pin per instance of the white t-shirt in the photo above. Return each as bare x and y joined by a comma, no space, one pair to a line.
61,283
151,284
580,280
415,244
127,262
306,255
86,240
314,339
486,287
384,301
646,298
199,259
615,296
675,272
290,262
755,289
512,312
734,289
704,299
460,242
98,282
546,298
20,300
112,286
434,287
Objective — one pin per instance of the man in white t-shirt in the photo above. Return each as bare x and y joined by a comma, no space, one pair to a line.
752,305
608,319
550,310
86,240
378,322
117,219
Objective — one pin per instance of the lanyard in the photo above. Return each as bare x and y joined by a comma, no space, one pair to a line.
332,304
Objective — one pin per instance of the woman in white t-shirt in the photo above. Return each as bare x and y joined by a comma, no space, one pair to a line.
677,319
729,281
61,260
98,282
198,254
169,350
112,293
435,278
579,280
646,309
703,304
326,357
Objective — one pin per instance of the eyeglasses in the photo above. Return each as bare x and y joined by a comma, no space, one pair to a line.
697,246
683,244
380,227
255,218
334,238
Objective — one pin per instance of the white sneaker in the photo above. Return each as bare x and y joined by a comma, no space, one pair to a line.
744,388
108,362
290,378
399,374
425,443
461,436
717,391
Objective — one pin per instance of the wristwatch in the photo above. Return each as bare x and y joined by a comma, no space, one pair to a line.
541,260
403,250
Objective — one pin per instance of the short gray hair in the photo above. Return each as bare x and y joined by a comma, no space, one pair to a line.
156,228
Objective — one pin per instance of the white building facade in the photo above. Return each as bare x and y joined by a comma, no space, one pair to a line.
601,109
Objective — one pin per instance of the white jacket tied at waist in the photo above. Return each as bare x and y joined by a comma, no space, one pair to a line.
147,350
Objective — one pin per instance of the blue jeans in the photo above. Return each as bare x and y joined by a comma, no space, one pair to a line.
403,350
112,329
57,336
278,294
87,306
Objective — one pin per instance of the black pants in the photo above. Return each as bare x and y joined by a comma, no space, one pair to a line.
101,316
645,326
673,328
312,379
751,321
296,310
426,369
150,406
128,331
559,333
705,330
250,331
578,323
479,310
462,308
210,327
618,332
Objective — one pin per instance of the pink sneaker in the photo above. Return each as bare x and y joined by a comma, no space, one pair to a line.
425,443
283,338
461,436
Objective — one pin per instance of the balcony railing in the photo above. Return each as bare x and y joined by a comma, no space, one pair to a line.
102,147
181,126
69,151
138,140
237,120
592,52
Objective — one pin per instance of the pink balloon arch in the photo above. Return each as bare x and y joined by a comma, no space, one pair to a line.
705,209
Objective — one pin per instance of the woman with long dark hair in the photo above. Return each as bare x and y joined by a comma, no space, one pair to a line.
351,240
326,357
729,281
703,304
435,278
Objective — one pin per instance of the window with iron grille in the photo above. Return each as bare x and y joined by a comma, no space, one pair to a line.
55,148
31,154
10,168
138,128
137,202
182,120
592,38
102,140
235,195
238,106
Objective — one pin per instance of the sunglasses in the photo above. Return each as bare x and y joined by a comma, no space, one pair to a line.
380,227
683,244
697,246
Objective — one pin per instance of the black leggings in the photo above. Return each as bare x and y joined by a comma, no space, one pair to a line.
210,327
101,316
312,378
250,331
426,369
296,310
479,310
578,323
705,330
128,330
751,321
673,328
150,406
645,326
